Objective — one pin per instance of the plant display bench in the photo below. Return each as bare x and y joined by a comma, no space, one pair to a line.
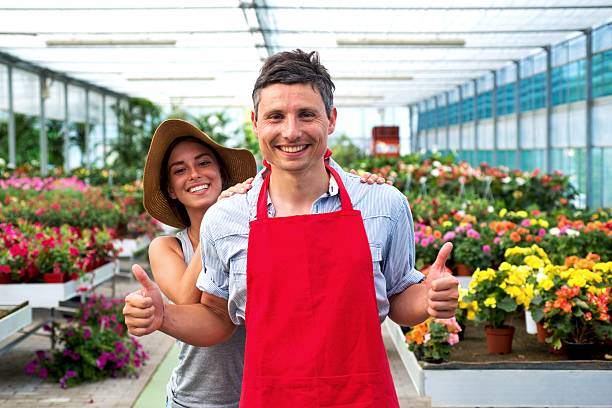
560,383
14,317
48,295
128,249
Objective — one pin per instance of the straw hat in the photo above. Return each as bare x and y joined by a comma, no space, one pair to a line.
239,164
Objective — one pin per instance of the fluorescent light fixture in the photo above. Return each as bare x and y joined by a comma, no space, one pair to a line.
107,43
171,79
372,78
370,42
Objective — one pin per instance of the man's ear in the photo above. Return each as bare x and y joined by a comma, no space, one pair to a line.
332,121
254,123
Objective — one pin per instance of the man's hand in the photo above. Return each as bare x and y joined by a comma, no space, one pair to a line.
144,308
442,287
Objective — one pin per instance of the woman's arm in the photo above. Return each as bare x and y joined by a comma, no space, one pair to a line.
175,279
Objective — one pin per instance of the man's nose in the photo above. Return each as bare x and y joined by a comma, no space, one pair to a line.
291,128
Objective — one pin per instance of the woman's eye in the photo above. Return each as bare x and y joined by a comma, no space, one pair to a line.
179,171
204,163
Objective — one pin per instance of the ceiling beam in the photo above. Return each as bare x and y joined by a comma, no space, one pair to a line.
281,31
263,6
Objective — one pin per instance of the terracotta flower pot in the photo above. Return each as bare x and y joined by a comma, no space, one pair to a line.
499,339
54,277
463,270
542,333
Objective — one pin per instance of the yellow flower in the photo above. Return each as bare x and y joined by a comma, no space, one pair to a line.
474,305
447,224
505,266
546,284
471,315
534,262
490,302
522,214
543,223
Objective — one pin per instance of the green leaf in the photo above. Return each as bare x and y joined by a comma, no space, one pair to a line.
507,304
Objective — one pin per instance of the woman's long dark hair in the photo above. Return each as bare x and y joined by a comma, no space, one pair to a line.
175,205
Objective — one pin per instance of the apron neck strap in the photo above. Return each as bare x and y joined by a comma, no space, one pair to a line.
262,200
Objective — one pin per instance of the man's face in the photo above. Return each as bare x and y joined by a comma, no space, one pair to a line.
292,127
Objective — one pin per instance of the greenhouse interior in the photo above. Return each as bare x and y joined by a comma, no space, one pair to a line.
492,118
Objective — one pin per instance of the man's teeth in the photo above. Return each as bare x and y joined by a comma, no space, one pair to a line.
292,149
199,188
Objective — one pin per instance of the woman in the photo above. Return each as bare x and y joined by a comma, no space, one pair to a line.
185,173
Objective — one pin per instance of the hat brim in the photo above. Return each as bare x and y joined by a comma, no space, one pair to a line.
239,164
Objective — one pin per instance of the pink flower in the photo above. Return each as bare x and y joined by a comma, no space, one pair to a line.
473,234
496,240
427,337
486,248
453,338
449,236
526,223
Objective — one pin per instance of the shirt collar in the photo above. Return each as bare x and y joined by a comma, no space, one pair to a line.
332,190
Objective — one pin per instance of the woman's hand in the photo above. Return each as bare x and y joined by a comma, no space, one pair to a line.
371,178
240,188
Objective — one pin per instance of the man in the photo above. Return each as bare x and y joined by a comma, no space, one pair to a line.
327,261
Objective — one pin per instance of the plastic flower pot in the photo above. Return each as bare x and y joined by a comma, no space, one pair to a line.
54,277
499,339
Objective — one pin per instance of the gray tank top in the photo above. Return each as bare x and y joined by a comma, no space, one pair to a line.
207,377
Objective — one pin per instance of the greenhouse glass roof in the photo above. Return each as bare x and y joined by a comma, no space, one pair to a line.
207,53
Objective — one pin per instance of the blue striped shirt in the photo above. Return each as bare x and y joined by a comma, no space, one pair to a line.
386,217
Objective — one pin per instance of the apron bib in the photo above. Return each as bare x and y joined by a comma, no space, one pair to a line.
313,334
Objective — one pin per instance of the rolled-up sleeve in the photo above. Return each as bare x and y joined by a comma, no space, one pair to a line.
399,266
213,278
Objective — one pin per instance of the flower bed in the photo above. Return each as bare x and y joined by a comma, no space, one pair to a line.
30,253
92,346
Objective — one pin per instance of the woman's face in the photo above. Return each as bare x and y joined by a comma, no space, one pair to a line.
194,177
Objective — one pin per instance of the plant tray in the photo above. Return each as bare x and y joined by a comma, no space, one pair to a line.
48,295
14,317
560,383
131,246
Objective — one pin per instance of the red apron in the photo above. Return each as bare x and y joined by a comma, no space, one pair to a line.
313,334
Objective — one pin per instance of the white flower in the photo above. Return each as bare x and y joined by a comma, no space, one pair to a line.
554,231
506,179
541,275
520,181
2,162
461,212
435,172
436,163
572,233
490,209
423,180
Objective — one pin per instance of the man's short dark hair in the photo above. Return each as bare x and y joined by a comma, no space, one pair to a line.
296,67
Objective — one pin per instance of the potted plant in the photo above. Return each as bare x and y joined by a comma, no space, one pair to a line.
498,293
432,340
576,308
471,249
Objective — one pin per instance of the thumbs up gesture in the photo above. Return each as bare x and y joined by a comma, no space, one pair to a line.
443,291
144,308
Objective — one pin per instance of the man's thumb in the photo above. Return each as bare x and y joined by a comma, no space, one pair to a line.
142,277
